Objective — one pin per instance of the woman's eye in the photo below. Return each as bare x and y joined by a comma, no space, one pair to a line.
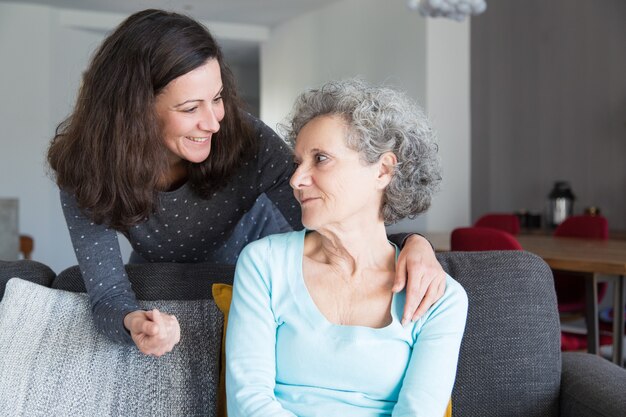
217,99
320,158
190,110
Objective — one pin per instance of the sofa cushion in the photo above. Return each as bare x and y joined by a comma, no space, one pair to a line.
56,363
592,386
223,294
28,270
509,363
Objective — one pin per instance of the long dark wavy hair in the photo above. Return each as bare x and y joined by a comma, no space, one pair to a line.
109,153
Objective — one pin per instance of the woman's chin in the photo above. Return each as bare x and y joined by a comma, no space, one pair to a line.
197,152
309,225
197,158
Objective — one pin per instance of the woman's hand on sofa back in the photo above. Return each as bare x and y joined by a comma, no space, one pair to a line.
155,333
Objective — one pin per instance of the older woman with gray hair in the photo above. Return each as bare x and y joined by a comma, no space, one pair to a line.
314,326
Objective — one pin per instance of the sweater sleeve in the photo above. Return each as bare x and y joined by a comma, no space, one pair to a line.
429,378
100,260
251,339
275,167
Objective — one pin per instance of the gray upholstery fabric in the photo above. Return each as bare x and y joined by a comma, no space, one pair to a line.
587,382
54,363
161,281
28,270
509,363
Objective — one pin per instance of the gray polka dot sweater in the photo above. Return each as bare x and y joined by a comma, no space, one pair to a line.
186,228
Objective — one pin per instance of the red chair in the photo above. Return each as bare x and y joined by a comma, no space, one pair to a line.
570,287
575,341
588,227
502,221
570,291
471,239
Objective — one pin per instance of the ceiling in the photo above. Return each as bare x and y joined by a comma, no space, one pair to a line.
257,12
266,13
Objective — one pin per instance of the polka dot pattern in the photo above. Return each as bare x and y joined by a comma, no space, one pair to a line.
256,202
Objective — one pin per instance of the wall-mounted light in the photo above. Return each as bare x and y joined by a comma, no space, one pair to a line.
452,9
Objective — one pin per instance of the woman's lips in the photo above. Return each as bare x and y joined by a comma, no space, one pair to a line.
197,139
308,200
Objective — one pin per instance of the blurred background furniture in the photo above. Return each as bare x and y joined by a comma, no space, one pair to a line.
572,288
584,226
503,221
27,245
482,239
577,255
577,341
507,360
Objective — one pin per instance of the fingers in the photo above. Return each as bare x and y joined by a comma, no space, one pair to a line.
425,279
174,329
415,291
401,274
149,328
155,315
433,292
157,333
145,324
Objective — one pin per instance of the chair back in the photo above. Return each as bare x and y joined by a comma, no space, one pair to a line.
570,289
482,239
589,227
501,221
510,361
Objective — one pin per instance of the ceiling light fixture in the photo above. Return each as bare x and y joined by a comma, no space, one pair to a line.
452,9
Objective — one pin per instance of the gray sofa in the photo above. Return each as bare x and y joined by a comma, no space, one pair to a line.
52,362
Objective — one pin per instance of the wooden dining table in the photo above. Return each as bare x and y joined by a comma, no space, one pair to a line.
596,257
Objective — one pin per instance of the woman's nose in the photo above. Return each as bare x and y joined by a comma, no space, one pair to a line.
209,122
300,178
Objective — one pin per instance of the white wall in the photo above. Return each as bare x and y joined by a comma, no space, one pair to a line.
383,42
448,105
39,80
25,83
380,41
39,85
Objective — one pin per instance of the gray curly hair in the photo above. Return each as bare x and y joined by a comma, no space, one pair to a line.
379,120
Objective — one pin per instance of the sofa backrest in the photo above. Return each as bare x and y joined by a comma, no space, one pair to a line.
32,271
510,360
160,281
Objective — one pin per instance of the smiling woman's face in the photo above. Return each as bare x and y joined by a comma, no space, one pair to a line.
190,109
331,182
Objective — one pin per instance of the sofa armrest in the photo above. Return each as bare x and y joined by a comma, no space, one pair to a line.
591,386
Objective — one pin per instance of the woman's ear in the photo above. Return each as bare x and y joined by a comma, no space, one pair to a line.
386,167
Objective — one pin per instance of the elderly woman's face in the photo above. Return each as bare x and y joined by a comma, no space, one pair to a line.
331,183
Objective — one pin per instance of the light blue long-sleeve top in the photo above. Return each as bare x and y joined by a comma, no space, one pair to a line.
284,358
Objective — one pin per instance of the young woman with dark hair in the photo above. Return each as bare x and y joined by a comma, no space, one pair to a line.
111,137
158,148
